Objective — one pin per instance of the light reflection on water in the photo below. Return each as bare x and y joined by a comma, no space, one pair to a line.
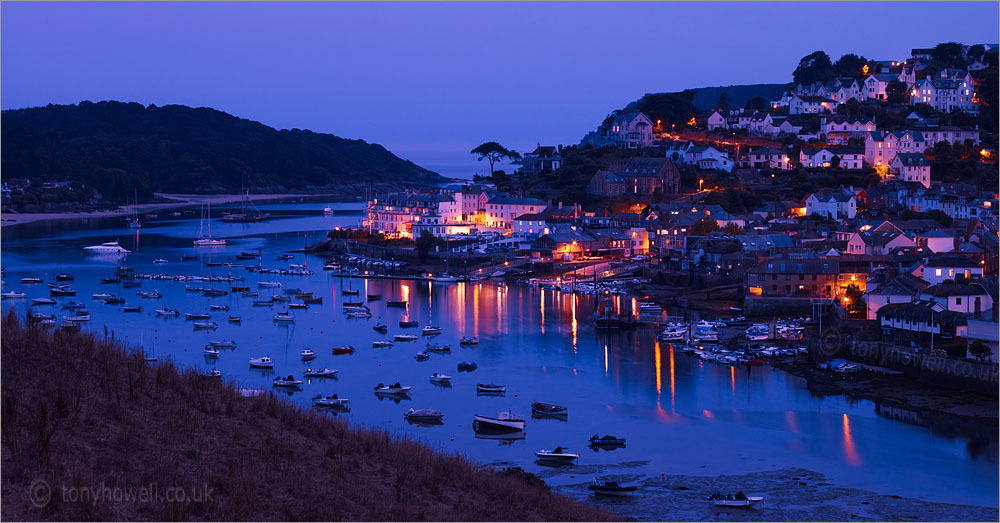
539,343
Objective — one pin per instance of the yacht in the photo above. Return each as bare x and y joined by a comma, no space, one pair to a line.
205,238
106,248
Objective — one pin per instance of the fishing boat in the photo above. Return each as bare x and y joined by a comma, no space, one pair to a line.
206,325
381,327
556,454
288,382
381,344
223,344
331,401
547,409
430,330
308,354
345,350
167,312
263,362
320,373
423,415
205,238
735,500
610,488
196,316
31,280
489,388
421,356
467,366
283,317
468,341
395,388
106,248
504,422
410,323
211,352
437,377
405,337
43,301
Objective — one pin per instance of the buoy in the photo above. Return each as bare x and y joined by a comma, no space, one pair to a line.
453,439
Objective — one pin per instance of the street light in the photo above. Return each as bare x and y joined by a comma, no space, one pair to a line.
700,183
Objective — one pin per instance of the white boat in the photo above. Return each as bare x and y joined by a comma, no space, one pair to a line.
263,362
43,301
327,211
37,316
160,260
437,377
395,388
421,356
205,238
167,312
430,330
211,352
610,488
437,347
31,280
308,354
77,318
101,296
210,325
489,388
268,284
284,318
426,415
331,401
381,344
214,373
405,337
469,340
288,382
13,295
106,248
505,421
673,333
703,333
735,500
223,344
556,454
320,373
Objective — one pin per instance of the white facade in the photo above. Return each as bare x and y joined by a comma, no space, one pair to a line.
833,206
882,147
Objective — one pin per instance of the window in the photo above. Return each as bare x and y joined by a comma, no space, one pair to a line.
937,272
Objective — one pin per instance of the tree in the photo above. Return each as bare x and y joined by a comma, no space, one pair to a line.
855,299
980,350
732,229
669,108
494,152
896,92
757,103
723,103
704,226
425,242
850,65
976,52
815,67
951,54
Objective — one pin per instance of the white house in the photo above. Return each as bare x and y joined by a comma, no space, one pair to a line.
878,241
833,205
941,268
502,210
945,95
677,151
709,158
717,120
958,297
875,85
912,167
630,130
767,158
806,104
937,241
840,129
882,147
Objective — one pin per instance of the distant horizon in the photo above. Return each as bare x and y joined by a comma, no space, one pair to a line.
431,91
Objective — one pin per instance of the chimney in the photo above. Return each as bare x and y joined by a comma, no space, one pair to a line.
560,205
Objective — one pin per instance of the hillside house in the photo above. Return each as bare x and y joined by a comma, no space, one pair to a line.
543,158
882,147
630,130
832,204
912,167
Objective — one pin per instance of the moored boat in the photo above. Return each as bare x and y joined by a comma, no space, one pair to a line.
206,325
504,422
735,500
423,415
331,401
344,350
288,382
468,340
547,409
308,354
106,248
395,388
556,454
437,377
490,388
610,488
430,330
320,373
263,362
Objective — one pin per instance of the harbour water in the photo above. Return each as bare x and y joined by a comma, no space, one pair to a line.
680,415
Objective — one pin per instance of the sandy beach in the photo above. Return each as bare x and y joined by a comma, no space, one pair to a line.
176,200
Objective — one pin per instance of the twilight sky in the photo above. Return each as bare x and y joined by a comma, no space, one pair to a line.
431,81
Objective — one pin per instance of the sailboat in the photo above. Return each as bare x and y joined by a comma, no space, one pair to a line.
205,236
245,216
134,222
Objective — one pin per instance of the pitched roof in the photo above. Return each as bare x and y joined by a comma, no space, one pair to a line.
943,290
508,200
951,262
913,160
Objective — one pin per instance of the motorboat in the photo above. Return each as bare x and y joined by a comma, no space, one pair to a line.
160,260
211,352
115,300
288,382
610,488
101,296
73,305
268,284
37,316
282,317
606,441
408,323
504,422
467,340
547,409
77,318
43,301
263,362
331,401
152,295
735,500
214,292
167,312
358,314
298,306
467,366
218,307
405,337
421,356
106,248
320,373
223,344
196,316
705,333
673,333
13,295
437,347
344,350
437,377
31,280
556,454
206,325
423,415
395,388
381,327
137,308
61,290
430,330
308,354
489,388
214,373
327,211
381,344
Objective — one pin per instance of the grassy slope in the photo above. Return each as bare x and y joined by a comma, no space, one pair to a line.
79,411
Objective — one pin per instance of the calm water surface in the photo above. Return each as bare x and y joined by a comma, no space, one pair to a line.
679,414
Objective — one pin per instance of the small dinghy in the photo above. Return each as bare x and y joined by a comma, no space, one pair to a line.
411,323
395,388
206,325
610,488
320,373
547,409
308,354
137,308
235,319
31,280
467,366
263,362
343,350
504,422
437,347
214,373
283,318
218,307
43,301
469,341
381,344
298,305
222,344
734,500
211,352
288,382
489,388
167,312
101,296
114,300
381,327
606,441
437,377
556,454
430,330
423,415
405,337
421,356
331,401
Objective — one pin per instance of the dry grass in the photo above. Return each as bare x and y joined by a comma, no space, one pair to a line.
79,411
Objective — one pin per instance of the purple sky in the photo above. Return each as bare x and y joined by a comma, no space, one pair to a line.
431,81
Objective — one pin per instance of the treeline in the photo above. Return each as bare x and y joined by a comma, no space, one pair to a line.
121,148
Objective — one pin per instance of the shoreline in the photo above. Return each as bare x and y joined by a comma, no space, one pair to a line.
179,200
